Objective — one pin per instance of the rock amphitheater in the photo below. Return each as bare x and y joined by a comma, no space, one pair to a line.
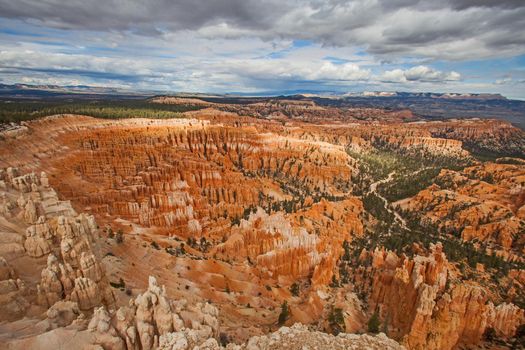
226,229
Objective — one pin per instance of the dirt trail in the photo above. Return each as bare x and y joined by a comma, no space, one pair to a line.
373,189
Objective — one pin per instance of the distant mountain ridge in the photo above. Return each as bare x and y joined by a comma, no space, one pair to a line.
107,90
430,105
446,95
72,89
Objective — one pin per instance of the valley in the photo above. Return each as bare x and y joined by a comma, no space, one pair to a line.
254,216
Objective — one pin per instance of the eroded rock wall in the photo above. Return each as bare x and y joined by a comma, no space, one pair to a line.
427,307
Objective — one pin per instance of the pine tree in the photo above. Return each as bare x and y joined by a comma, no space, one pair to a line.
335,282
294,289
336,320
374,323
119,237
285,313
346,246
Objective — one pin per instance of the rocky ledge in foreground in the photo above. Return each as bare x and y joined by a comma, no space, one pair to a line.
299,337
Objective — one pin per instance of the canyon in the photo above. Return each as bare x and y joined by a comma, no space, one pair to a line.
262,225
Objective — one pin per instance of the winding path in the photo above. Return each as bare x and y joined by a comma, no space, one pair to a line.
373,189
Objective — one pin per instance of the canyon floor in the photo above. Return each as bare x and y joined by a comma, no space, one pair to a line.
266,225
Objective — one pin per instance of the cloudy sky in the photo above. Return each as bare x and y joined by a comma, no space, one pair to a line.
272,46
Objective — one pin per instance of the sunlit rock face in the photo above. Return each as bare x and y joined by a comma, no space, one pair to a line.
482,203
177,175
279,244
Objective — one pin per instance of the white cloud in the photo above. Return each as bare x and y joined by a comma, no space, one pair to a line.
504,81
419,73
394,76
267,69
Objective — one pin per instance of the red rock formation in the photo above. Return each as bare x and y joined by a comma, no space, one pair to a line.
480,203
312,245
304,110
491,135
163,180
178,176
413,297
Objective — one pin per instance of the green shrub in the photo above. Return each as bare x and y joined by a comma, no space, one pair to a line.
374,323
336,320
119,237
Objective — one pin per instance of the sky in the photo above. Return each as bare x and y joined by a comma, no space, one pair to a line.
267,46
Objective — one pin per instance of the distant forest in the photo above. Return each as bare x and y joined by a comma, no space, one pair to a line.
21,110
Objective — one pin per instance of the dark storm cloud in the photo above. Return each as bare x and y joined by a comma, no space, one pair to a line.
144,16
434,29
463,4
